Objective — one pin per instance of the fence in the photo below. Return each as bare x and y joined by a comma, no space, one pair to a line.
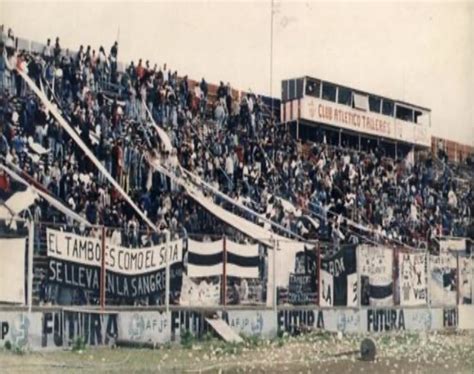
107,267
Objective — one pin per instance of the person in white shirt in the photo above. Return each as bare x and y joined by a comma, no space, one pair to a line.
48,51
452,199
229,169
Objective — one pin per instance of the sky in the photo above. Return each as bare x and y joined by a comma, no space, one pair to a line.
419,52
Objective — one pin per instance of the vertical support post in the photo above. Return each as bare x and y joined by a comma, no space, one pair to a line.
428,279
167,284
395,275
359,283
458,293
102,272
275,250
224,272
31,241
318,259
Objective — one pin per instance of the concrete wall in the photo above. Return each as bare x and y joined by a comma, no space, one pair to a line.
58,329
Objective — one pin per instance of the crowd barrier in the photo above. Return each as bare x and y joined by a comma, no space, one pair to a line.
60,328
136,286
103,267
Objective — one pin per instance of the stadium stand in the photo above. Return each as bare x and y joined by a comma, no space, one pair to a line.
230,139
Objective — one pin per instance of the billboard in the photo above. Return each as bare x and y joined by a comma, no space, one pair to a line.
346,117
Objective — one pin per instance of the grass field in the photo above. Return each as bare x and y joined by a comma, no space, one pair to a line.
314,352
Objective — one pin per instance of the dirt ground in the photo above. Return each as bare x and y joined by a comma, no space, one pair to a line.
310,353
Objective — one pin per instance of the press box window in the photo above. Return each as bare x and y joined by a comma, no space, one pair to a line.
387,108
299,88
361,101
374,104
344,96
329,92
312,87
404,113
418,116
292,90
284,93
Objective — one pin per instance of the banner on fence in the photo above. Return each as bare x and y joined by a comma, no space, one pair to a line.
242,260
302,287
75,261
376,275
443,268
466,274
202,293
412,277
453,244
12,270
339,279
206,259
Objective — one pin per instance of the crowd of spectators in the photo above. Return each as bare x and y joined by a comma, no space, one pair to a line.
231,141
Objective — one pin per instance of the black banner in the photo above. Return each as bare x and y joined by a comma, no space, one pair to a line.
117,285
340,266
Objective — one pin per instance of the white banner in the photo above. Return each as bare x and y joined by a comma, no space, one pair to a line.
202,293
412,277
233,270
22,200
197,271
12,270
375,264
285,261
128,261
452,244
242,260
243,250
206,259
443,278
466,273
205,248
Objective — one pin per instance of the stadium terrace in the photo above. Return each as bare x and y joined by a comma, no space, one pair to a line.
168,191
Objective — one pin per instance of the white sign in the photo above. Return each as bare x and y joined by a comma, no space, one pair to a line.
376,265
202,293
343,116
128,261
145,327
12,270
412,276
261,323
21,329
443,278
466,274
